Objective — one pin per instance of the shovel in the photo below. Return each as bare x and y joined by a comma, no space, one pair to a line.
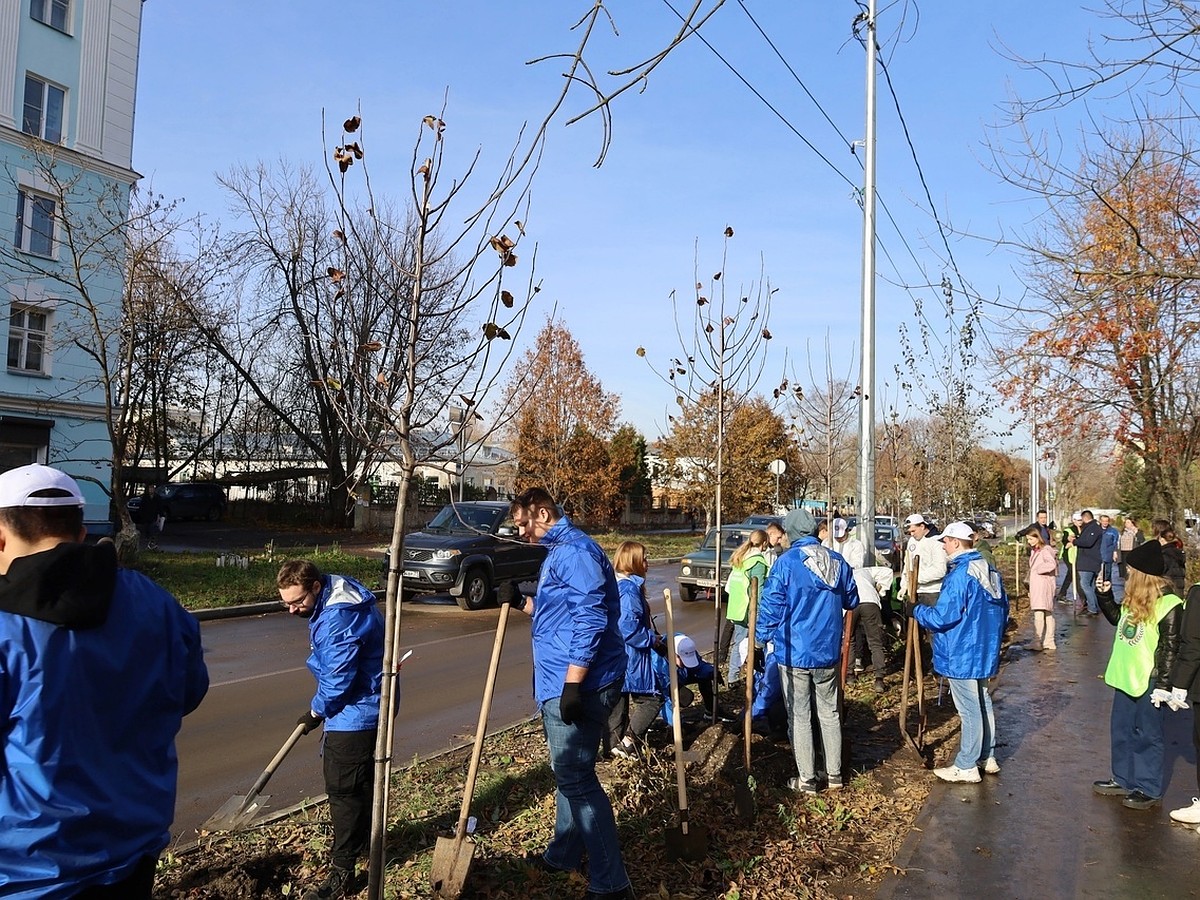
687,842
743,790
452,856
912,661
237,812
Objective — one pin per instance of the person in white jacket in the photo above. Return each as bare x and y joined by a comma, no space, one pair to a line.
928,549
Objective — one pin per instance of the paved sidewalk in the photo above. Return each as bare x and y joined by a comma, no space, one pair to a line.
1037,830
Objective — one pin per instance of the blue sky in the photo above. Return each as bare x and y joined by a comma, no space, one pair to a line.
223,82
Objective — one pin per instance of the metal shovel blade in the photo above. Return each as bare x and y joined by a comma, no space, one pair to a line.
236,813
686,842
743,800
451,863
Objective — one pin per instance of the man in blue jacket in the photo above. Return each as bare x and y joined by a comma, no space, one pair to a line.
800,610
346,637
967,625
1108,547
578,672
98,667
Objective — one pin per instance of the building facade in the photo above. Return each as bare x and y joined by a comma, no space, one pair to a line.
68,79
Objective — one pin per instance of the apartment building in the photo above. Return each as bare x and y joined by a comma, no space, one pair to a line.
68,69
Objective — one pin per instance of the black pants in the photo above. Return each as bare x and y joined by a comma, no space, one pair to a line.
349,781
138,885
868,633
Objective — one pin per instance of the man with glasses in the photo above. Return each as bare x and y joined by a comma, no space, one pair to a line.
346,636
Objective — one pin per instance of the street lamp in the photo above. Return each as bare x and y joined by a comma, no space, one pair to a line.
458,419
777,468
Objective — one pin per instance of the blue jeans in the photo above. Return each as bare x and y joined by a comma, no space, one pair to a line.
974,704
583,815
802,689
1087,584
1137,743
735,653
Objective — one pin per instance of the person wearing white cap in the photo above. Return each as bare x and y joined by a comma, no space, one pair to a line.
922,545
967,624
847,545
99,665
1067,554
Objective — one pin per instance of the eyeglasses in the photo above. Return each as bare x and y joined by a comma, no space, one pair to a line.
297,603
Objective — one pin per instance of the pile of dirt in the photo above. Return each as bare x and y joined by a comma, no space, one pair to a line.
832,845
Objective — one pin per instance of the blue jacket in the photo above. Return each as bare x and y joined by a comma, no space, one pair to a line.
683,675
639,636
968,620
768,686
98,667
802,603
576,614
1108,544
346,639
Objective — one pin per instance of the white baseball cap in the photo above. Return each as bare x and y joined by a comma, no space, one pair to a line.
21,487
960,530
839,528
685,649
915,519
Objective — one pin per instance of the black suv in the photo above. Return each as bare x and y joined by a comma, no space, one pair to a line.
189,500
465,551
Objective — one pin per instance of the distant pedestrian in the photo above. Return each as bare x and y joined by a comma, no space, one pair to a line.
1148,621
1041,523
1109,552
1042,569
1087,561
967,624
806,593
1173,558
1066,556
1131,537
345,631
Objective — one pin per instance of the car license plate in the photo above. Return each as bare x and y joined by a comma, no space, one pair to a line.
411,573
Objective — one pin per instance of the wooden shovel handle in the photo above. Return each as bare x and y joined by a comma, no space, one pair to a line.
676,721
481,729
749,663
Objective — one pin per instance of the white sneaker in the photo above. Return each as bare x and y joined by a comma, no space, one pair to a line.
954,773
993,768
1188,814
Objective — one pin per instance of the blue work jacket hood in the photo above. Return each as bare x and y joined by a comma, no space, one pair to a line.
576,614
968,620
801,607
346,658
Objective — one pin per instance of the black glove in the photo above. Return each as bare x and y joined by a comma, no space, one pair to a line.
309,720
510,592
570,704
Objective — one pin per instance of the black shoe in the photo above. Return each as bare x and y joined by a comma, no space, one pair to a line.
1109,788
1138,800
337,884
625,893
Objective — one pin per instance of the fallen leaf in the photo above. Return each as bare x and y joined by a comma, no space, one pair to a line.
371,346
641,351
728,231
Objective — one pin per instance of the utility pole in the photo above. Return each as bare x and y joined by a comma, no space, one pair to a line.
1035,481
866,430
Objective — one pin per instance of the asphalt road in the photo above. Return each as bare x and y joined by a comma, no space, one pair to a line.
259,686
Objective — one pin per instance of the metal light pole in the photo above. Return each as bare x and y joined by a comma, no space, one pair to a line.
866,429
458,422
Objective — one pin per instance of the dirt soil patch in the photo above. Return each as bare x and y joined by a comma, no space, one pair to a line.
832,845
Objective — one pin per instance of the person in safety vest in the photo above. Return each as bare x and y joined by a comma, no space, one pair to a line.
749,561
1148,622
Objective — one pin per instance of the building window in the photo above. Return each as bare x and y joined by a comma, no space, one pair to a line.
54,13
35,224
28,333
44,104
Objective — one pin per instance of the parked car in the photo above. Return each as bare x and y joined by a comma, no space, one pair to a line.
465,551
185,500
887,546
761,521
697,569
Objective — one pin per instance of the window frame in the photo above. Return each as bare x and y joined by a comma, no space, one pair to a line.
24,332
28,201
41,128
43,11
